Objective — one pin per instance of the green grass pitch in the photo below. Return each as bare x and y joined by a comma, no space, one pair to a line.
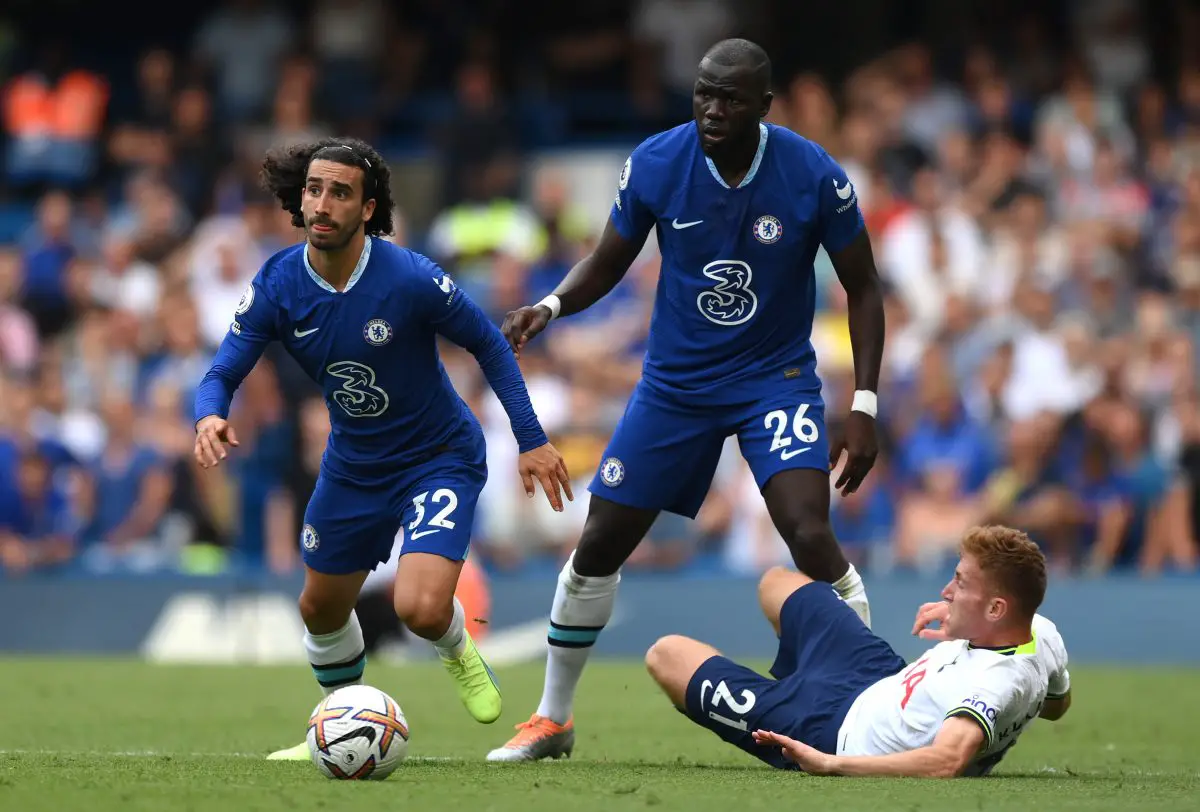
122,735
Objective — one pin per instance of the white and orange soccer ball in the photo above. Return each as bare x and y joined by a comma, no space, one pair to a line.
357,732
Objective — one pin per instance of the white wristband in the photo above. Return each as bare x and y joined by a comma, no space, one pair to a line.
866,402
553,303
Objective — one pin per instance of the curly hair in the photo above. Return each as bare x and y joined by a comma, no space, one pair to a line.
1011,561
285,170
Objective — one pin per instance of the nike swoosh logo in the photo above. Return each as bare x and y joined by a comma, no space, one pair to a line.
303,333
678,225
415,536
787,455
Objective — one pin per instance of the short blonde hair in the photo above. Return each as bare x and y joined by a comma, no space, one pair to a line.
1013,563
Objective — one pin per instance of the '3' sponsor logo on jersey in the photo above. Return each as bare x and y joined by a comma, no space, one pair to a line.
358,395
730,301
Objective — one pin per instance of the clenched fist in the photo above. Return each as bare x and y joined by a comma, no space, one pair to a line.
523,324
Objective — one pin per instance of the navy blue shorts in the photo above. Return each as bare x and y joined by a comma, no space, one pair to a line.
352,528
663,455
826,658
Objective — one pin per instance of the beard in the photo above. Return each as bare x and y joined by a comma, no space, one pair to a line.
330,240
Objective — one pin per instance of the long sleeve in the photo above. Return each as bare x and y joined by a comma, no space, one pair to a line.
252,329
459,319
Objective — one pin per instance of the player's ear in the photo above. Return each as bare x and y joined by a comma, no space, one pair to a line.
997,609
768,97
368,210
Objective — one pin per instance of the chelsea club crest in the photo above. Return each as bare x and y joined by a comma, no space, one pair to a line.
612,472
768,229
377,332
309,538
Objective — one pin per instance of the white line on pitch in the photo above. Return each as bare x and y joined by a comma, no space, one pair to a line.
20,751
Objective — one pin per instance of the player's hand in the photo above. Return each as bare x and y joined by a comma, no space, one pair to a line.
523,324
212,434
547,466
809,759
934,612
861,446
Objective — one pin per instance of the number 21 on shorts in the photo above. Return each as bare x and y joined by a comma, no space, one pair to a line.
801,427
440,520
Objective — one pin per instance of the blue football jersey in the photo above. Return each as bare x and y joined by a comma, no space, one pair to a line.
373,350
733,312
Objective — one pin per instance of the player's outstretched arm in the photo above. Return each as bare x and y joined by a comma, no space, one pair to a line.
252,329
587,283
855,267
459,319
956,744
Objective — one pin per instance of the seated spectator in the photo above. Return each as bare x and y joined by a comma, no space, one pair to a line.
1159,528
1030,492
37,528
128,497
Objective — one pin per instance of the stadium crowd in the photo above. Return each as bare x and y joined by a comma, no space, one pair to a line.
1034,206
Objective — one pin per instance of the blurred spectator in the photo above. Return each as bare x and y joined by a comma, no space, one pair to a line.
669,39
128,497
37,528
241,44
140,134
53,118
18,332
479,143
49,249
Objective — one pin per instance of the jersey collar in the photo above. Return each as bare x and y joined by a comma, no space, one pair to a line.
758,156
1008,651
363,258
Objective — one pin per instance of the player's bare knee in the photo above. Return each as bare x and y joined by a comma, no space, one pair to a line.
666,662
775,587
659,655
672,662
424,612
321,615
610,535
811,534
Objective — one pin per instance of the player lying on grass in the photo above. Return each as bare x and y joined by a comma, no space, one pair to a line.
844,703
362,316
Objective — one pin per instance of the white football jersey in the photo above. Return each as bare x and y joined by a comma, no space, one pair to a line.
1001,690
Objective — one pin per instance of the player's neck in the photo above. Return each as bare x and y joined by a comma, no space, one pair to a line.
336,266
1013,636
734,162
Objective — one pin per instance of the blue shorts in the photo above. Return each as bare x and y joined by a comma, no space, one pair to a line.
826,658
663,454
352,527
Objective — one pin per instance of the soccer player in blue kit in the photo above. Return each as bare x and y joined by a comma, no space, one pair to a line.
362,317
739,207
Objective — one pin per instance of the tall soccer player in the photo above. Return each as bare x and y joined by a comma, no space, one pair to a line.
362,317
739,207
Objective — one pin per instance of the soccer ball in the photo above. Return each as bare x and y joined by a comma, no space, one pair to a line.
357,732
